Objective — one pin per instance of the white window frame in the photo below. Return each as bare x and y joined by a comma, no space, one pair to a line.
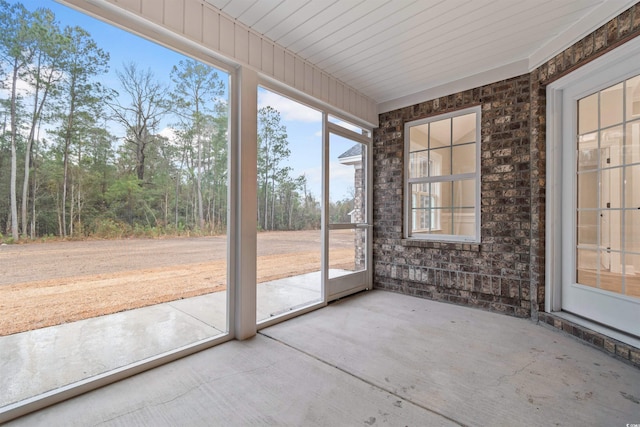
408,181
607,70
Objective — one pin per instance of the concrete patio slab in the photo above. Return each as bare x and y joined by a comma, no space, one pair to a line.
376,358
476,367
42,360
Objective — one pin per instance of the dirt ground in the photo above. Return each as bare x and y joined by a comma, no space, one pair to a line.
46,284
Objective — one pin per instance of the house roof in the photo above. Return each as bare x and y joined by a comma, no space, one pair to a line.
404,51
356,150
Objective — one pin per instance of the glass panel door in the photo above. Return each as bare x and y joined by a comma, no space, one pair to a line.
602,283
348,230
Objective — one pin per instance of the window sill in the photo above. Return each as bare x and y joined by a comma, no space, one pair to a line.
433,244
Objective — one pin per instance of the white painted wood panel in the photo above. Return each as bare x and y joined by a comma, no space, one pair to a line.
251,16
255,51
289,69
278,63
311,16
317,83
237,8
325,87
380,31
241,44
395,46
227,36
193,18
211,29
299,68
275,17
132,5
330,20
152,10
382,49
174,14
267,57
219,4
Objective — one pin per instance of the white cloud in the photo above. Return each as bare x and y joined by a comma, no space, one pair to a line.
168,133
342,177
290,110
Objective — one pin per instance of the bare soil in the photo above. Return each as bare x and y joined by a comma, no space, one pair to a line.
53,283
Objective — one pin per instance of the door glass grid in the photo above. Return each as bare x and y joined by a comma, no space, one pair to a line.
608,189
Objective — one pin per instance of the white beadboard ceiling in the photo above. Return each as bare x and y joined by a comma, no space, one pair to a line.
398,52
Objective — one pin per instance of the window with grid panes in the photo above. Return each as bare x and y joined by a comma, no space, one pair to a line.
443,177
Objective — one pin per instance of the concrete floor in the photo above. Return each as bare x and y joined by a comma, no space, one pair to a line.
373,359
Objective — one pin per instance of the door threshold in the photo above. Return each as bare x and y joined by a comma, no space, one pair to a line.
600,328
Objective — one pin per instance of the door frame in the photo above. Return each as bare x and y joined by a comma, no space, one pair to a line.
347,284
604,71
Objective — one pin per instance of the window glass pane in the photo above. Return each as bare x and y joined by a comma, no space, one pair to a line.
587,190
419,139
611,106
611,230
632,275
440,162
129,198
445,220
610,271
441,192
587,264
632,143
346,255
611,141
419,164
348,125
464,222
421,203
289,241
632,231
610,188
451,153
588,114
418,154
632,187
633,98
464,193
440,133
588,151
588,227
464,129
464,159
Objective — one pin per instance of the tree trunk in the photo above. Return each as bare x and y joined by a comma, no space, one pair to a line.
14,163
199,185
64,189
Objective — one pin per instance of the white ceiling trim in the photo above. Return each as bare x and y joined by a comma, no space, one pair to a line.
591,22
480,79
181,24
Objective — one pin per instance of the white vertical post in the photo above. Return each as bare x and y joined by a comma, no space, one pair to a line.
245,158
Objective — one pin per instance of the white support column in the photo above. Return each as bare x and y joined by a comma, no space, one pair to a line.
244,156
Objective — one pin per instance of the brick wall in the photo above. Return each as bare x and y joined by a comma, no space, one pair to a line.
494,274
505,272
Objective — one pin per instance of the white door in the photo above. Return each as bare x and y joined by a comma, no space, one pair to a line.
347,212
601,202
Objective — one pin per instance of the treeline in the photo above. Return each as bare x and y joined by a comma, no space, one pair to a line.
148,157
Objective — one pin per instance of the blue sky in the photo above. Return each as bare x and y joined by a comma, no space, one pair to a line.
303,124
